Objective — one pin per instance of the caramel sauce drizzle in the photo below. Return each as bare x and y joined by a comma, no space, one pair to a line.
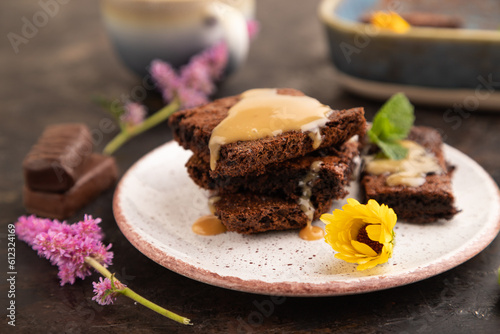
208,225
410,171
311,233
264,113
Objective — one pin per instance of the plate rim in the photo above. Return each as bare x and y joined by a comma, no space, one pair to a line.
305,289
422,95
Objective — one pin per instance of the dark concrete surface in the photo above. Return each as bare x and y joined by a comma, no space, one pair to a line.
52,79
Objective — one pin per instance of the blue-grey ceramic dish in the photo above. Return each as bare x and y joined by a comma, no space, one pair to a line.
436,65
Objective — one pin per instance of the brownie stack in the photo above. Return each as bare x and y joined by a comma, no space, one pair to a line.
62,173
265,184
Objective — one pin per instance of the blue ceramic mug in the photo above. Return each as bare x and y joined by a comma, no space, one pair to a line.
175,30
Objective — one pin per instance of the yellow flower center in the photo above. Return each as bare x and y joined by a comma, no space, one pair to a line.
363,238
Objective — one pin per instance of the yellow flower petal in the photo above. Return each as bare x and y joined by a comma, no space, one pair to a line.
347,258
362,248
352,201
374,232
343,226
390,20
367,265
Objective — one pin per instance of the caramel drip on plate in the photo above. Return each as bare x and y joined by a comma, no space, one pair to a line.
208,225
410,171
310,232
264,113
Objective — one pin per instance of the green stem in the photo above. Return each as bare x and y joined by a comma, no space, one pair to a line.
153,120
97,266
131,294
117,142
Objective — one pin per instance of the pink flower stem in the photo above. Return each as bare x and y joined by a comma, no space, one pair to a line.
128,133
131,294
97,266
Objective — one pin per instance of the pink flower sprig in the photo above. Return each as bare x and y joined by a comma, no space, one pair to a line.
107,290
133,115
66,246
195,82
76,248
190,87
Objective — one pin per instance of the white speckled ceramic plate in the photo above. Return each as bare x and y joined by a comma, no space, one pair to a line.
156,203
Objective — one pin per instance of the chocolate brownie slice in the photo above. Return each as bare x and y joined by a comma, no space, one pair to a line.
192,128
248,213
285,179
429,202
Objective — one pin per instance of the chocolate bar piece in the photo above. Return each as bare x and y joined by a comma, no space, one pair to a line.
99,173
58,159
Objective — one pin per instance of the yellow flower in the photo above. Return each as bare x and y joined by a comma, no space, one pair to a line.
362,234
391,20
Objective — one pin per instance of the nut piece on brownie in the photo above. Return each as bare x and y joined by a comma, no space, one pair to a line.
418,188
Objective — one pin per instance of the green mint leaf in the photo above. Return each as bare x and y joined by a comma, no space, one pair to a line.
393,150
392,123
394,120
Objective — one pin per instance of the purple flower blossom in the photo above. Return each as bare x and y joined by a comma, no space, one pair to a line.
27,228
105,292
191,97
214,59
167,80
197,77
66,245
195,82
70,246
134,114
